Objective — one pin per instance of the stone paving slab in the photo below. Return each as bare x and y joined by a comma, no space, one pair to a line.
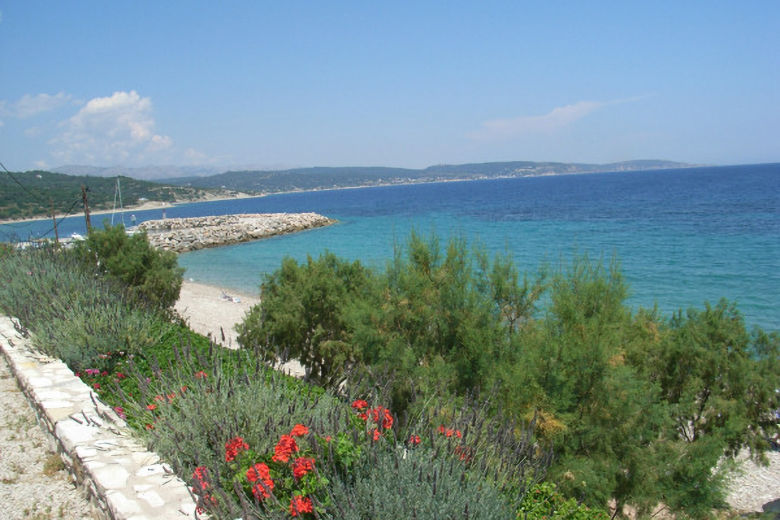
123,478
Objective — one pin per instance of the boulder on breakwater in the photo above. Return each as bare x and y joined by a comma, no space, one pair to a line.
188,234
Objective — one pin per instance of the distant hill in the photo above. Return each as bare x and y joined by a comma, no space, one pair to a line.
303,179
145,173
37,190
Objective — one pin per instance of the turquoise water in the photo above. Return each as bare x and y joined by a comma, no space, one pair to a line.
682,237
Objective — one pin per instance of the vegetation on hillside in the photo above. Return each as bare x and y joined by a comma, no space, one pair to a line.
637,407
274,181
37,191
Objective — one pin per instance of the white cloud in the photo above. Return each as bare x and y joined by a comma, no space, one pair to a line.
111,130
549,123
556,119
29,105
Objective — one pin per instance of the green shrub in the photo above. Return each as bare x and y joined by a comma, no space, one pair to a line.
5,250
415,483
152,276
544,502
75,315
303,316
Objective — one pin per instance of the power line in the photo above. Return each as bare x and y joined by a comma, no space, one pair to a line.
22,185
67,213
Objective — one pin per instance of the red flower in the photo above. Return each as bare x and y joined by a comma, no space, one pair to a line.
120,375
260,472
414,440
201,475
96,386
233,446
300,504
359,404
158,397
284,448
149,426
201,375
302,466
151,406
376,434
299,430
387,418
449,432
120,412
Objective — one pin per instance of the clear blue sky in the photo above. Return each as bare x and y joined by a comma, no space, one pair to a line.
409,84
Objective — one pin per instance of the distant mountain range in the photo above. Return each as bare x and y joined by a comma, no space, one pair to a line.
317,178
143,173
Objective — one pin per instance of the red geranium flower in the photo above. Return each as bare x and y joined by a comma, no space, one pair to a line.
284,448
300,504
302,466
260,472
359,404
299,430
233,446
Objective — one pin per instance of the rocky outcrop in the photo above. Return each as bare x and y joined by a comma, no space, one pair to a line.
188,234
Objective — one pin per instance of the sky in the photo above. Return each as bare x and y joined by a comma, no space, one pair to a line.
405,83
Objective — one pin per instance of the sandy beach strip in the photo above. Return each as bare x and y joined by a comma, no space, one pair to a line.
214,311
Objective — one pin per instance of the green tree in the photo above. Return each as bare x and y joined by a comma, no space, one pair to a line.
152,276
303,315
719,383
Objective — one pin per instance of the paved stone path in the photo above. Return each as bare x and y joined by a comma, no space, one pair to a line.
34,483
122,478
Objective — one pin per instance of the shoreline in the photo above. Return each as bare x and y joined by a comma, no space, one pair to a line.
148,205
212,310
241,195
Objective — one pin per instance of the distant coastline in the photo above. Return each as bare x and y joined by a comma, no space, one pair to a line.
151,204
250,184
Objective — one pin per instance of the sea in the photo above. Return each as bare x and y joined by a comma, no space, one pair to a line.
682,237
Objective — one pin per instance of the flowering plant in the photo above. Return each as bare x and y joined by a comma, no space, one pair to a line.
285,480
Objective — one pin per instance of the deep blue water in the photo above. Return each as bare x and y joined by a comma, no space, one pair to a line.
682,237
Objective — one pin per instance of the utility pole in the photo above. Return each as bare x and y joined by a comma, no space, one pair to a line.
54,219
86,208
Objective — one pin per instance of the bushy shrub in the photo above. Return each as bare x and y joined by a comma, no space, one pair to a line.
152,276
629,402
416,483
5,250
544,502
75,315
304,316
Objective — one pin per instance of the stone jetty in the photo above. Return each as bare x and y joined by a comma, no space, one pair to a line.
188,234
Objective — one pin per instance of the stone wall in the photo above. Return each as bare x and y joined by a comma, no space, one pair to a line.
188,234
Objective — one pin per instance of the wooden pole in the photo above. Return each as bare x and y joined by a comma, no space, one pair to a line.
86,208
54,219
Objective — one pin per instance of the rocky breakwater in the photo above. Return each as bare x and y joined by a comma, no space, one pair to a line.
188,234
